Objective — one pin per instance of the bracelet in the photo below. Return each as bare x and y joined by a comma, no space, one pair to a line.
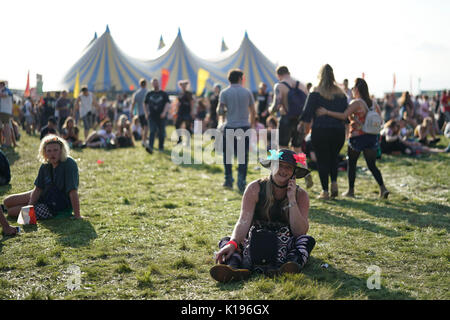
233,243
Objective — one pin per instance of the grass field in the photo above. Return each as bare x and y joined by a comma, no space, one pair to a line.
152,227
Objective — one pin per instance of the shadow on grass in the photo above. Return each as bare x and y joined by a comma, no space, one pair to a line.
340,219
71,233
5,189
12,155
437,214
346,285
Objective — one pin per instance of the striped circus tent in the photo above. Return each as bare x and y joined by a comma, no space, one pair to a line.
256,67
104,67
179,63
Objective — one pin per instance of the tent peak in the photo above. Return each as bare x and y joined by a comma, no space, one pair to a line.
107,28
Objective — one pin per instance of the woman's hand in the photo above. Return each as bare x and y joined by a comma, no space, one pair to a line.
321,112
291,191
225,253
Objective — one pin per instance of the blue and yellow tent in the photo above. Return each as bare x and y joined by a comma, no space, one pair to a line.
104,67
256,67
179,63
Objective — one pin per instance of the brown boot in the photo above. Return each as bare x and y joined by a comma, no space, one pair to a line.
384,193
350,193
334,190
324,196
224,273
290,267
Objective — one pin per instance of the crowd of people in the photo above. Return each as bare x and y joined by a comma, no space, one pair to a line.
312,123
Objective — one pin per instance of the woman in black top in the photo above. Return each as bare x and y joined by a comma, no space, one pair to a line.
270,235
328,134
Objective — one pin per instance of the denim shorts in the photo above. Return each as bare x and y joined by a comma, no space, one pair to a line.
363,142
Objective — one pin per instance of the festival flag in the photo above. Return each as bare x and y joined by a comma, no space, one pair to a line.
39,84
224,46
161,43
202,76
395,82
76,89
363,75
165,74
27,89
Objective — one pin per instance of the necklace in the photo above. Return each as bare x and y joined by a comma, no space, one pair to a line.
276,185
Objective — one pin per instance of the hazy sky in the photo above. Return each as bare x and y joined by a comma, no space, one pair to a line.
380,38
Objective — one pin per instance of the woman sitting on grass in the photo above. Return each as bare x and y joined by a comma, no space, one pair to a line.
124,135
425,129
270,235
56,186
70,133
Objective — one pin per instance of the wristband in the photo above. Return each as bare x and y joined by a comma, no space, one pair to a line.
233,243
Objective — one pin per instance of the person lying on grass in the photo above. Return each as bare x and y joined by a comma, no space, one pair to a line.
56,186
270,235
103,138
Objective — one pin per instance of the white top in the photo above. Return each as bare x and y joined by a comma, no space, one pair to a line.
85,103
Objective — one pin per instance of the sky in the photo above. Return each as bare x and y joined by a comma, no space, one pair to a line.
378,38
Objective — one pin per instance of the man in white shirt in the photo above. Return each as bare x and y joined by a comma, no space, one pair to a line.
85,104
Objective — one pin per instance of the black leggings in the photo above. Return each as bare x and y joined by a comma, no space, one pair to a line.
371,157
327,143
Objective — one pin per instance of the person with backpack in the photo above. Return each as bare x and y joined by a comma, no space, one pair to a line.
364,128
289,99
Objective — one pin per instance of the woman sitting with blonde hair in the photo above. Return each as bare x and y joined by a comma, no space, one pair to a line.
56,186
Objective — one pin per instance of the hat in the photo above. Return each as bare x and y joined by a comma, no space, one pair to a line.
288,156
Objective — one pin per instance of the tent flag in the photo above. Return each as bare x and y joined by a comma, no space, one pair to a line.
224,46
363,75
165,74
76,89
202,76
161,43
27,89
395,82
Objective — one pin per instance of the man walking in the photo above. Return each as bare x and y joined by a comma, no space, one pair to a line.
157,105
85,104
239,105
137,102
63,109
289,99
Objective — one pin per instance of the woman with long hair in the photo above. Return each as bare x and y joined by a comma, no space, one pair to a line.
359,141
271,233
70,133
328,133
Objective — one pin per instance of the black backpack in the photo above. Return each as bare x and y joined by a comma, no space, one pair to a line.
296,100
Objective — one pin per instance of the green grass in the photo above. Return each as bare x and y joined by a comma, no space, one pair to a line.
152,228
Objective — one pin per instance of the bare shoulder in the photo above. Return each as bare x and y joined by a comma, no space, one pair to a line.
253,189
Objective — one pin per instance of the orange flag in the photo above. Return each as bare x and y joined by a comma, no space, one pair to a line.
165,74
27,89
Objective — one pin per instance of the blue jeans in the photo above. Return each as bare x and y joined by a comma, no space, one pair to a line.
228,154
157,125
